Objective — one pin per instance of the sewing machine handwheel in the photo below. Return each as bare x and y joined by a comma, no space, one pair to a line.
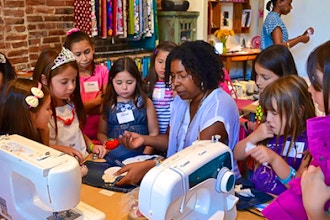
225,180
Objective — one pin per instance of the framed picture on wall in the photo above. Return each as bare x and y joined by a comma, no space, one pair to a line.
246,17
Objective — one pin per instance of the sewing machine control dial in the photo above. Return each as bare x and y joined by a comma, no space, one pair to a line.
225,180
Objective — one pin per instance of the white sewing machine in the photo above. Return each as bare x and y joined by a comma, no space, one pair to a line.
38,182
195,183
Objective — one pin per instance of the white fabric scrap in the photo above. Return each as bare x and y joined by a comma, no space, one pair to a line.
243,192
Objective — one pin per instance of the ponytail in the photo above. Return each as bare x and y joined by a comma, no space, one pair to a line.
270,5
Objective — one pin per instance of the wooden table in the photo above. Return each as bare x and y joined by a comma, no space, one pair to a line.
113,204
250,108
242,56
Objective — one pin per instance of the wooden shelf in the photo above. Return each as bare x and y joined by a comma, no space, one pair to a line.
237,17
215,17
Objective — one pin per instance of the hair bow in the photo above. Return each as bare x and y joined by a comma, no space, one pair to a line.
73,30
2,58
37,93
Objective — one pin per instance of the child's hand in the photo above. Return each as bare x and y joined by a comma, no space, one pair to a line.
263,131
305,37
99,150
315,192
73,152
70,151
262,154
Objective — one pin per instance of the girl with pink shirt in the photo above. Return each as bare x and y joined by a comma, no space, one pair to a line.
93,78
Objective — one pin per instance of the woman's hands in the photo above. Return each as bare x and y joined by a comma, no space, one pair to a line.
135,172
131,140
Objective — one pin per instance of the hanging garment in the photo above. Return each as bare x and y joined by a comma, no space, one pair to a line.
82,15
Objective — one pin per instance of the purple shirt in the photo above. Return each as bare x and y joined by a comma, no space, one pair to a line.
264,178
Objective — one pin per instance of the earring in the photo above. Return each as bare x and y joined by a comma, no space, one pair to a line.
202,85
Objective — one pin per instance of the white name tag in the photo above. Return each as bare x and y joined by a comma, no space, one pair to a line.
126,116
158,93
91,86
295,151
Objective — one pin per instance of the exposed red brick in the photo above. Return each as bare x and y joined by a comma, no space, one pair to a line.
8,29
34,42
64,11
35,2
48,40
18,53
34,18
44,10
46,26
13,12
29,26
37,34
65,26
56,32
12,21
16,37
19,28
54,18
21,44
55,3
34,56
13,4
68,18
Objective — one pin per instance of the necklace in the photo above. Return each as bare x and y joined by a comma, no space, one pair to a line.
190,123
68,121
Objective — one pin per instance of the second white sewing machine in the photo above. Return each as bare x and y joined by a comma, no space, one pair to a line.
38,182
195,183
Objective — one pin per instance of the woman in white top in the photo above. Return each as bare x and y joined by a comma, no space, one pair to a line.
199,111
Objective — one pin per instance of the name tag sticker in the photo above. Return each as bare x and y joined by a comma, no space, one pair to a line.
126,116
158,93
91,86
295,151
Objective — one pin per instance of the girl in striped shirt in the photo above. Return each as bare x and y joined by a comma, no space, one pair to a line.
158,90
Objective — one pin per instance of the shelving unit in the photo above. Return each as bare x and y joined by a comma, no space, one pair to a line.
140,56
237,16
215,17
177,26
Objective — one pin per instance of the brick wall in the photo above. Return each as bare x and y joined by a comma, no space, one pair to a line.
29,26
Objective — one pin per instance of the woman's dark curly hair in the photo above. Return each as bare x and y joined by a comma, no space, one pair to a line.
200,60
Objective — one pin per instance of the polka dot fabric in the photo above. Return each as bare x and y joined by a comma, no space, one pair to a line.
82,15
